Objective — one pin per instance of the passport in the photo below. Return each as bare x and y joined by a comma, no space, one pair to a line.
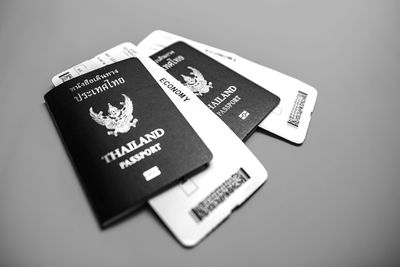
125,137
239,102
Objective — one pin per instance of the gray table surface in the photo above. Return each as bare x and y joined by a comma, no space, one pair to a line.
334,201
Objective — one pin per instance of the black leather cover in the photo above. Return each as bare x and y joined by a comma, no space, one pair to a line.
239,102
112,146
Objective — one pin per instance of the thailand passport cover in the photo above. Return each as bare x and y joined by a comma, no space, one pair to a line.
126,138
239,102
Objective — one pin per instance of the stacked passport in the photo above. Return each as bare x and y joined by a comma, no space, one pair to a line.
164,123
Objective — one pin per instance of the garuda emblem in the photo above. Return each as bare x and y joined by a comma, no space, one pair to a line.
197,84
117,120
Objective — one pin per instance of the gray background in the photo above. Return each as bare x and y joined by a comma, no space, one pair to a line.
334,201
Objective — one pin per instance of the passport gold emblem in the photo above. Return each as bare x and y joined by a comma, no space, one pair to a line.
197,83
117,120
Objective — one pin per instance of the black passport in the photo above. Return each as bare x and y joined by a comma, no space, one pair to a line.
126,138
239,102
